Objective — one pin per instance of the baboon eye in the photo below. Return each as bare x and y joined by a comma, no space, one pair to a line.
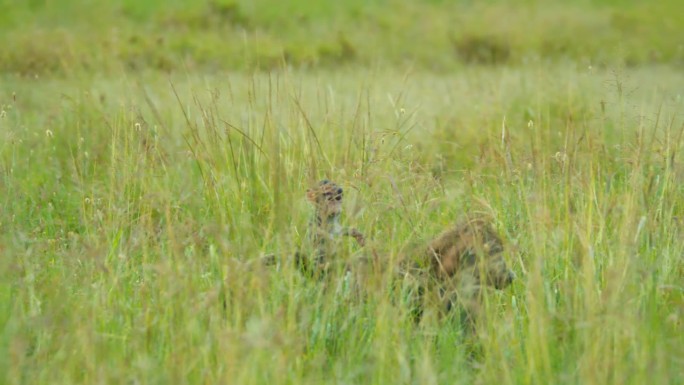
329,196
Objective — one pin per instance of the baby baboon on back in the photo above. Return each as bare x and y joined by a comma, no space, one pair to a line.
324,228
459,263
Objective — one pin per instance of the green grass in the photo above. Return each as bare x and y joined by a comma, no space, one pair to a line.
74,36
133,197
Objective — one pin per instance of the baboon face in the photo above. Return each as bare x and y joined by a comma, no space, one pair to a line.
496,272
489,269
327,197
472,249
491,265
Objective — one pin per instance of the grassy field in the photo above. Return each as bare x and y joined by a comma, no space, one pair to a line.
150,150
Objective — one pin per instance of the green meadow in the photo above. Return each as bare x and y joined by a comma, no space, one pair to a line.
151,152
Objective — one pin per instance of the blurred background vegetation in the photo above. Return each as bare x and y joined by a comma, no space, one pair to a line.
70,36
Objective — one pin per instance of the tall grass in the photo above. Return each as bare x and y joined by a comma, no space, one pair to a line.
131,210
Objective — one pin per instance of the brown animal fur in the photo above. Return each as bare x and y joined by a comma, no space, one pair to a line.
458,249
456,266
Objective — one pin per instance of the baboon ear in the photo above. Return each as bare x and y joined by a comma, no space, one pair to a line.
311,195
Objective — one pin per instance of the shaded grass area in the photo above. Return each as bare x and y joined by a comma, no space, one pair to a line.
131,208
72,36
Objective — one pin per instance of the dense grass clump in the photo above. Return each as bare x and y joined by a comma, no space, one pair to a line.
151,154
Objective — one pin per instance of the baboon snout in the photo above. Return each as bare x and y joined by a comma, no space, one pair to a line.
499,275
505,280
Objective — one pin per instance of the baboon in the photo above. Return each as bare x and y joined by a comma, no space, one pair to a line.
324,228
456,266
317,256
457,250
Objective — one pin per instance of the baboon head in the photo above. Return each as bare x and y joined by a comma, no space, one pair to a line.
472,248
495,271
326,196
